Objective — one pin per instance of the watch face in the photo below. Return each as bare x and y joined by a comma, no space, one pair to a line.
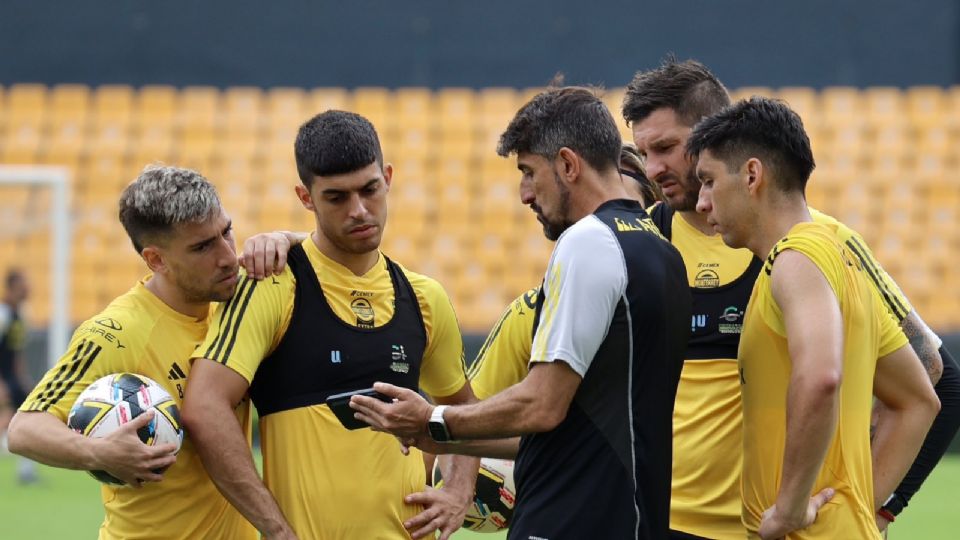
438,432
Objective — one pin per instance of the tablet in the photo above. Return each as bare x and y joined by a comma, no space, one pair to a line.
340,405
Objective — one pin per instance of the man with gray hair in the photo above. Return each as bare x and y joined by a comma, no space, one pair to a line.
176,223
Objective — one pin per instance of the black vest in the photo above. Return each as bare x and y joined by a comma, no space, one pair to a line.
717,315
321,355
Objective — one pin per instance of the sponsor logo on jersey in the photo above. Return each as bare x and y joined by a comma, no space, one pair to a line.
335,357
706,279
176,373
362,294
698,321
364,311
731,317
399,357
112,324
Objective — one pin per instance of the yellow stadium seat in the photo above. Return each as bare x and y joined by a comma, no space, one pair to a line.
374,104
926,105
884,106
842,105
155,103
26,98
243,110
198,109
456,111
804,101
285,102
324,99
414,107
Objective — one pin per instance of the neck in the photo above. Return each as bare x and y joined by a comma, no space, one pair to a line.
607,187
777,220
698,221
358,263
169,294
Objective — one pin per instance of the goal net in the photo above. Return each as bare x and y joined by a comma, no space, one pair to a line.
35,230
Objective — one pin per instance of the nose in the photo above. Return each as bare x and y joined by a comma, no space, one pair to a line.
526,192
704,204
358,210
227,252
654,167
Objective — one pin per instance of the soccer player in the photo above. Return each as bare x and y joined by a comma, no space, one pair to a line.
340,316
14,379
510,340
176,223
594,410
816,342
661,106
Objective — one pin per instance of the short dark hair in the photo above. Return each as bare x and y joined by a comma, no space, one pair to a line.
163,197
572,117
687,87
758,127
335,142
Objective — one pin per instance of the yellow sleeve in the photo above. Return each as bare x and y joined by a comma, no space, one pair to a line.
503,360
884,287
442,372
246,328
891,335
95,350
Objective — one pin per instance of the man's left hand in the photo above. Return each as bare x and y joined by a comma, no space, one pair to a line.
406,417
443,510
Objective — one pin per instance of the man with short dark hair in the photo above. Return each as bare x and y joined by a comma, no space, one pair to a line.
661,106
816,345
340,316
594,410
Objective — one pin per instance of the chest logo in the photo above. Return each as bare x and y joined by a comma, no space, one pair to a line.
706,279
399,362
112,324
335,357
698,321
364,311
731,320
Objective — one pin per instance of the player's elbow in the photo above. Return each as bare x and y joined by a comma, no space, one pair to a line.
544,417
193,417
825,384
17,436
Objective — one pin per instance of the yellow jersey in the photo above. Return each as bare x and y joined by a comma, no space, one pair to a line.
869,332
332,483
138,333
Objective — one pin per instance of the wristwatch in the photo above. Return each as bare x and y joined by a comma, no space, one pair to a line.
437,427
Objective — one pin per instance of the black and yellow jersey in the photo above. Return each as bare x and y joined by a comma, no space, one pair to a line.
869,332
318,329
138,333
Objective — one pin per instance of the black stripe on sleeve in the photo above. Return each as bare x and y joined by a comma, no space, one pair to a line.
226,319
893,303
236,324
91,355
57,379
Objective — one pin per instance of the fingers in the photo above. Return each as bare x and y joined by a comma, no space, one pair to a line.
281,257
138,422
426,530
822,498
390,390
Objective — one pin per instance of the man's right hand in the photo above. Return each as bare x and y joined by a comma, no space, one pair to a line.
125,456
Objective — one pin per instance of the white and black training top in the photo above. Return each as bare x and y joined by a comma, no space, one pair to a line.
615,306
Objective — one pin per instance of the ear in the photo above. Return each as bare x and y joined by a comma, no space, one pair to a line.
753,171
154,259
388,174
569,165
305,198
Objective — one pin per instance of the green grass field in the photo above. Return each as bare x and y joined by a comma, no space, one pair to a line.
66,506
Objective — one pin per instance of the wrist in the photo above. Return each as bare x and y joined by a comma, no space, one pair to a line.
90,453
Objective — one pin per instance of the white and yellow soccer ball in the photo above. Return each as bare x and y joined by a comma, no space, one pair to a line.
494,498
112,401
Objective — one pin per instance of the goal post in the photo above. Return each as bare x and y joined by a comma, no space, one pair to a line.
57,179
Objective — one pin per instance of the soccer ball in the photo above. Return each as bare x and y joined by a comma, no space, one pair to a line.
111,401
494,498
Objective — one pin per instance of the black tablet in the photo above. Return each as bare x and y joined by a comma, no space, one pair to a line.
340,405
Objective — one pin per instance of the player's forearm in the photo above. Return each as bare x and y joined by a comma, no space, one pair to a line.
460,474
941,433
43,437
226,455
923,342
899,434
812,408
